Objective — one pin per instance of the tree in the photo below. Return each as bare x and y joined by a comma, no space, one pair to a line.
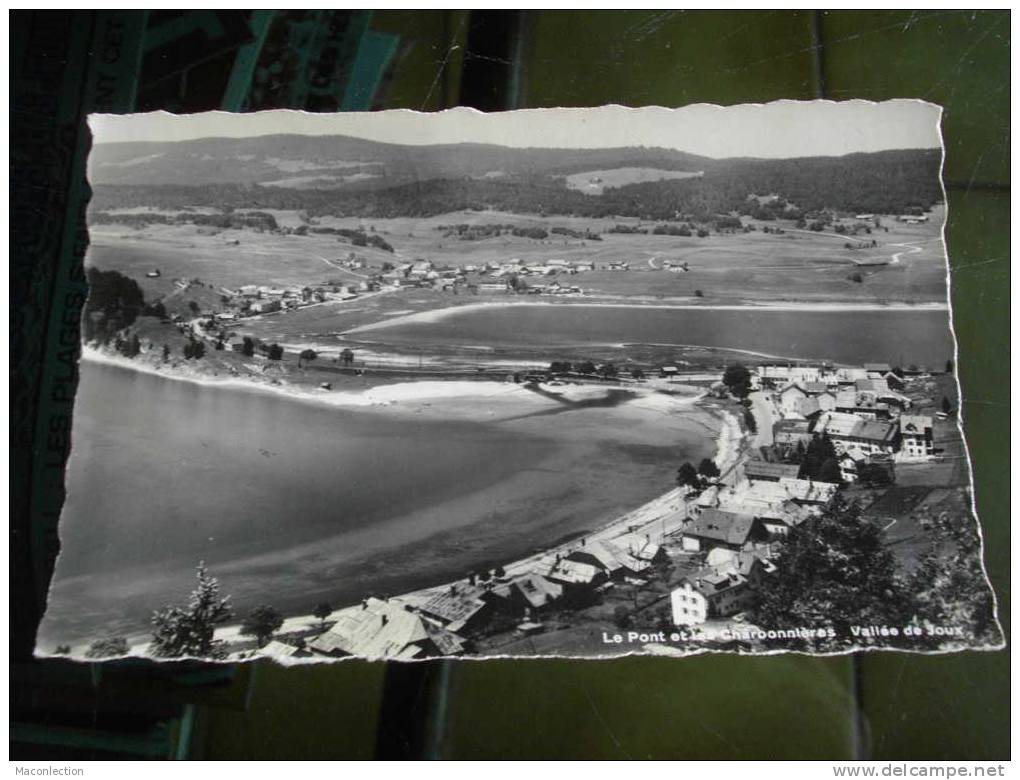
346,356
275,352
110,647
559,367
307,355
322,611
587,367
194,307
708,469
750,421
819,450
829,472
113,303
834,570
156,309
737,379
621,616
62,650
262,622
699,293
947,406
687,476
607,370
949,366
248,347
499,572
194,349
188,631
132,346
874,475
949,586
166,352
855,277
637,373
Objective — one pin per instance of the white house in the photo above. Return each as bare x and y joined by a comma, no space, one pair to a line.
707,594
916,436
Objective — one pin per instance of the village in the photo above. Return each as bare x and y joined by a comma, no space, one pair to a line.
251,300
695,559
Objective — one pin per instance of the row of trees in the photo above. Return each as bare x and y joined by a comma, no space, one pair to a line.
189,631
590,368
697,478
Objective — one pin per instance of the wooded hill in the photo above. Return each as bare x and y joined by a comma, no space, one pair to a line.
881,182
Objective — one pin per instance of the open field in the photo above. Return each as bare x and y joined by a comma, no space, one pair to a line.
730,268
593,182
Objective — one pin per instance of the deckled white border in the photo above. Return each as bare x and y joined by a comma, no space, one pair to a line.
672,651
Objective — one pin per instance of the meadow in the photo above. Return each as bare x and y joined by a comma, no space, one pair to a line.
794,266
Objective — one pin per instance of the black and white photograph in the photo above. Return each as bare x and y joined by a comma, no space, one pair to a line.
574,383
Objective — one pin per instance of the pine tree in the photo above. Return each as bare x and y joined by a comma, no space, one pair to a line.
188,631
835,570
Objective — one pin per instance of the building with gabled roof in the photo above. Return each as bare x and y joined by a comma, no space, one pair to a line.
536,591
458,608
815,388
790,398
770,472
641,547
916,436
791,432
574,573
627,555
722,528
385,630
708,593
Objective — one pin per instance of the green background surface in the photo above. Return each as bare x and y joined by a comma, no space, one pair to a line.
879,705
892,705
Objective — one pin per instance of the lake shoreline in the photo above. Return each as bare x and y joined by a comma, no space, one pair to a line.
438,315
639,414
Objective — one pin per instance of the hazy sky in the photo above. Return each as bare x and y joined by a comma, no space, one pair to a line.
780,129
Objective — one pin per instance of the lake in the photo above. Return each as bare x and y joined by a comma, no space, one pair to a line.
895,336
294,502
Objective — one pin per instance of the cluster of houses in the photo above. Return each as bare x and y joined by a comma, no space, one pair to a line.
736,531
739,528
252,299
444,621
727,535
861,410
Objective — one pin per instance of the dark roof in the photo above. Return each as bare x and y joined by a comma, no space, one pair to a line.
710,582
791,388
816,388
759,468
722,526
874,430
790,424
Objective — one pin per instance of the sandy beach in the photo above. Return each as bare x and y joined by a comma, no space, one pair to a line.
437,315
391,489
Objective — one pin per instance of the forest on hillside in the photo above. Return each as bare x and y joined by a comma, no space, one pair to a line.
882,182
